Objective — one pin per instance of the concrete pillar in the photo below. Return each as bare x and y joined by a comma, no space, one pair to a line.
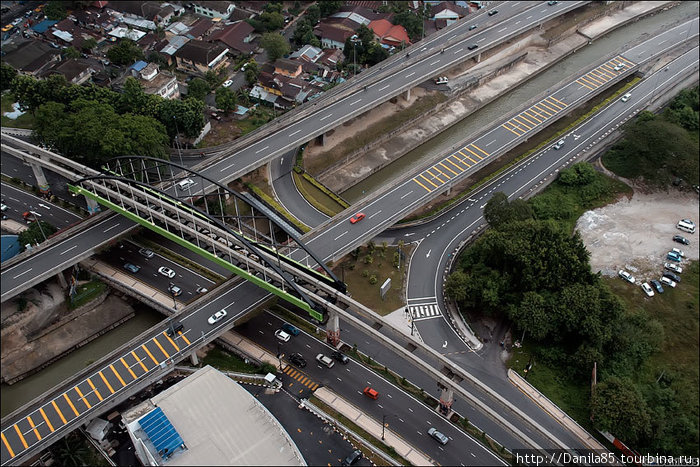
321,139
446,400
92,205
478,58
193,358
333,329
40,178
407,96
62,280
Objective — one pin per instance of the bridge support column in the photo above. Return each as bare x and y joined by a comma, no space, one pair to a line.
62,280
333,329
92,205
407,95
446,400
193,358
40,178
478,58
321,139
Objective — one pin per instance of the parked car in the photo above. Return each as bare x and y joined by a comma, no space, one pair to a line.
439,437
216,317
647,289
341,357
146,252
673,267
297,360
132,267
681,239
657,286
167,272
669,282
281,335
352,458
673,256
325,361
626,276
175,290
290,329
672,276
228,83
371,393
678,252
357,217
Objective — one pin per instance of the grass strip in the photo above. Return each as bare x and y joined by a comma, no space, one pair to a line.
315,196
488,178
362,433
276,206
324,189
87,292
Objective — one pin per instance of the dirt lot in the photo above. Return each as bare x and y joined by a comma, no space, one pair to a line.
636,233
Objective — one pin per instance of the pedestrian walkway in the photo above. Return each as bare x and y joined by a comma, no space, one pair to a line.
300,378
423,308
373,427
402,321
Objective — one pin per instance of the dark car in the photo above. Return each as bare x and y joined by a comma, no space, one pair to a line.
352,458
672,276
175,328
290,329
342,358
472,47
657,286
681,239
472,27
297,359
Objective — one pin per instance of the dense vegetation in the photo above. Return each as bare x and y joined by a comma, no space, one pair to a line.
531,269
92,123
660,148
37,232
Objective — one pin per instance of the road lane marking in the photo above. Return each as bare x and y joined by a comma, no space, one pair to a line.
325,117
110,228
46,419
80,393
69,249
459,50
109,386
434,63
171,341
140,362
374,214
410,74
58,411
381,89
7,445
336,238
94,389
502,29
21,438
75,411
358,100
261,150
428,255
150,355
36,432
426,188
292,134
407,194
167,355
23,273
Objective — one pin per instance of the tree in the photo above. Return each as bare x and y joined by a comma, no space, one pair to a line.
411,22
327,8
71,52
89,44
198,89
275,45
579,174
226,100
158,59
304,34
186,116
7,74
252,71
125,53
55,10
618,407
499,211
456,286
313,14
36,233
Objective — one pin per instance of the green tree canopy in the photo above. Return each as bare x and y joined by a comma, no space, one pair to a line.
619,408
35,233
198,89
226,99
125,52
275,45
55,10
7,74
71,52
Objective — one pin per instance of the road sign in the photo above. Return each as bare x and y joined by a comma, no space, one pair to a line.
385,287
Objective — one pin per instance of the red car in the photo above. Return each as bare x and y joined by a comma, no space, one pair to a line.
357,217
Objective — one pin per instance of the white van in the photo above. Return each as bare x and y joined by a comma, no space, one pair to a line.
686,226
185,184
323,360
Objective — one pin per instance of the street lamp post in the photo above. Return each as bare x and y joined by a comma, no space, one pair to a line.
31,211
177,139
383,425
172,293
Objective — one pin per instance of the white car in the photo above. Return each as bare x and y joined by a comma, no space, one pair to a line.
216,317
647,289
673,267
559,144
679,251
281,335
619,67
626,97
228,83
3,207
167,272
667,281
626,276
175,290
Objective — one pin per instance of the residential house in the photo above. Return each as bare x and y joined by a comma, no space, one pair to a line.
286,67
158,13
76,71
160,83
331,36
447,11
357,14
331,58
199,28
176,28
168,47
236,37
30,57
199,56
122,32
308,53
214,9
389,34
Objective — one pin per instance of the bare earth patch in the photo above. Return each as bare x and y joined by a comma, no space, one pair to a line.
637,233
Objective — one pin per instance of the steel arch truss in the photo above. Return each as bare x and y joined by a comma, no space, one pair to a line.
217,222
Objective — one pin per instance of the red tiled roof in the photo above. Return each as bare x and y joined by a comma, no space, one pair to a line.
233,36
380,27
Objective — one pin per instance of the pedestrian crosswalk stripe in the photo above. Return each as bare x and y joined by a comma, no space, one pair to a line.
426,310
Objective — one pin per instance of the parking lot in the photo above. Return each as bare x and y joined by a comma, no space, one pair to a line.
635,234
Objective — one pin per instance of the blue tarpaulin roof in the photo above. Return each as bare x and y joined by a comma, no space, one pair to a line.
42,27
161,432
140,65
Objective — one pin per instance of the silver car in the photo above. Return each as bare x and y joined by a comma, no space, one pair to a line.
216,317
439,437
167,272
